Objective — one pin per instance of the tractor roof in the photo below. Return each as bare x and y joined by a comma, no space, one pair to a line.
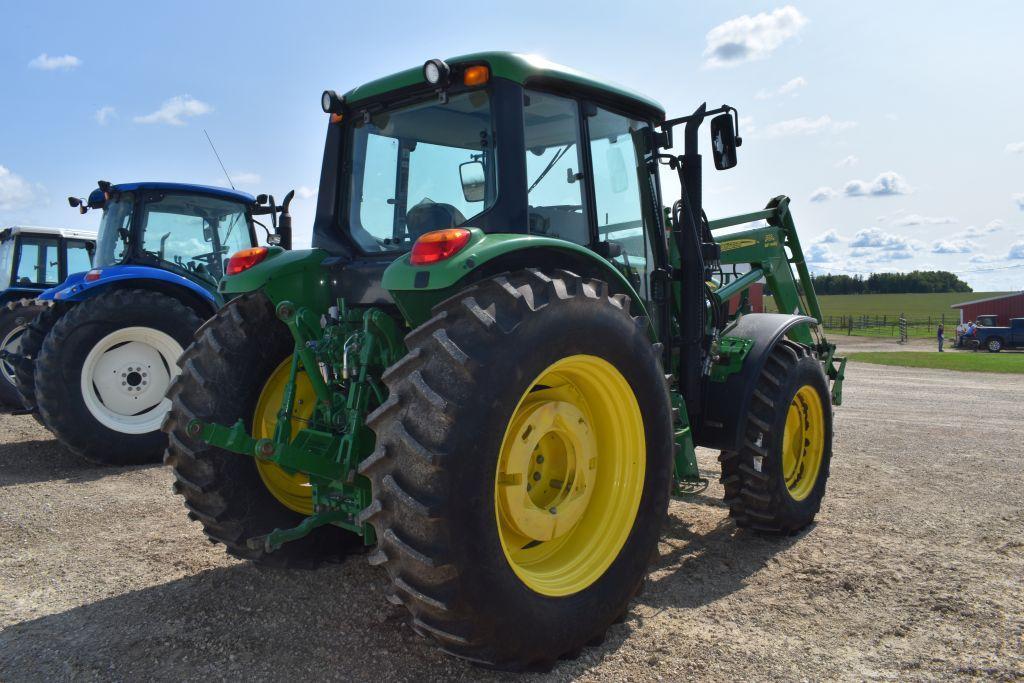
220,192
6,233
523,69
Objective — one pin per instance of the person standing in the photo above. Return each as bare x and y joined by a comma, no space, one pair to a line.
940,336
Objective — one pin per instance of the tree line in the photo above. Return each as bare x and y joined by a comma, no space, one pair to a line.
915,282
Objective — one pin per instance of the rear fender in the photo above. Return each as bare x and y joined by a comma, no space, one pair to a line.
296,275
727,403
417,289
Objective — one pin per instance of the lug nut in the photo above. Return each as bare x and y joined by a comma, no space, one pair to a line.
540,459
536,476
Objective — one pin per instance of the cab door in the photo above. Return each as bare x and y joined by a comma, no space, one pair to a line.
625,195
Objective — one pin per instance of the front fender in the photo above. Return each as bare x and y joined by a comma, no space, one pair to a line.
286,275
77,289
416,289
727,402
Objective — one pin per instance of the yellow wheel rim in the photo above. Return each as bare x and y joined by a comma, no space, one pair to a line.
803,442
570,475
291,490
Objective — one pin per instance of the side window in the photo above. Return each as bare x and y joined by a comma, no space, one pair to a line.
6,262
79,259
617,196
37,264
553,164
377,205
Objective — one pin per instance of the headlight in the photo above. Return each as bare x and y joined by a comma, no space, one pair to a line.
436,72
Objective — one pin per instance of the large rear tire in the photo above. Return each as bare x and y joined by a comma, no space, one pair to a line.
776,481
43,315
232,371
522,468
15,317
103,372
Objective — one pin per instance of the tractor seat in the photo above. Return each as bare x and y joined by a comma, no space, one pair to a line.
429,215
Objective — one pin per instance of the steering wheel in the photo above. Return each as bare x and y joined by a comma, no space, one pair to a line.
210,258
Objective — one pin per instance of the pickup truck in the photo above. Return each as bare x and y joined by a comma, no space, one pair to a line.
996,339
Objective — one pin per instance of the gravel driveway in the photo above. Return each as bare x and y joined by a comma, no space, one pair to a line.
913,571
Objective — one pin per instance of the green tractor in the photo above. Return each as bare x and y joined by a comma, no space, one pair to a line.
496,361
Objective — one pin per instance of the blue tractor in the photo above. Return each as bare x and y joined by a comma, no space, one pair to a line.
32,259
93,366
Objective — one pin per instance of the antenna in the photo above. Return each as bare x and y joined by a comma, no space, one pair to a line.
218,159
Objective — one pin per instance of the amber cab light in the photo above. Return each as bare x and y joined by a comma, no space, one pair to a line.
244,260
438,245
93,275
476,75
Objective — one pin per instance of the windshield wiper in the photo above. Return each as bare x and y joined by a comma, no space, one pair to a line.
551,164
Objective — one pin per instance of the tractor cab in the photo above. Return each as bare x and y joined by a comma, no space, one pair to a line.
187,230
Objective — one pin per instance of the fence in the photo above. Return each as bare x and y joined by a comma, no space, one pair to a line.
888,325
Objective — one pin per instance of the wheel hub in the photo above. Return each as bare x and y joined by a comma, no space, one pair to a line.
546,480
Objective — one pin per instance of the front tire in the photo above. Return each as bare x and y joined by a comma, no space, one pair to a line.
776,481
43,315
15,318
103,372
522,468
994,345
227,374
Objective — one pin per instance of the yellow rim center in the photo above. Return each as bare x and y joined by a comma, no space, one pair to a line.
291,490
803,442
570,475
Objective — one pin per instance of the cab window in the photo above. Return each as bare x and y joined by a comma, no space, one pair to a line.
618,166
79,258
38,263
554,181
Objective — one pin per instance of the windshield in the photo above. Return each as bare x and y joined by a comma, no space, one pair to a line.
194,232
6,262
112,241
420,168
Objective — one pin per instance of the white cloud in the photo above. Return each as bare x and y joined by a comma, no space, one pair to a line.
790,86
914,219
888,183
303,192
874,238
175,110
982,258
1016,250
103,115
988,229
245,178
953,247
818,253
15,191
830,237
847,162
822,194
1019,199
749,38
806,126
45,62
1015,148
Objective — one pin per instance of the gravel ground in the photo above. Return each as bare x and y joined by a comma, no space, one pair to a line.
912,572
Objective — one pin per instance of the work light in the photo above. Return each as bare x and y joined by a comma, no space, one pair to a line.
331,102
436,72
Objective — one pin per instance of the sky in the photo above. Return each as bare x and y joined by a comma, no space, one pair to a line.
896,128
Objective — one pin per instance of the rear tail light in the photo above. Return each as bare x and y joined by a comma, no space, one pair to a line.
244,260
438,245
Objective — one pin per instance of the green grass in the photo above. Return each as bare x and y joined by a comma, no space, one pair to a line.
1011,363
917,308
914,306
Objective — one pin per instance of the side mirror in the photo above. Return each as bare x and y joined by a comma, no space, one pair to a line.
207,231
724,141
474,182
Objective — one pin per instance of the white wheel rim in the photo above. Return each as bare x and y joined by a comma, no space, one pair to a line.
125,377
6,369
